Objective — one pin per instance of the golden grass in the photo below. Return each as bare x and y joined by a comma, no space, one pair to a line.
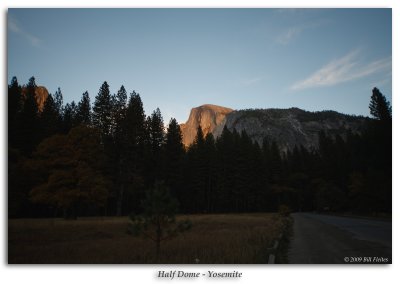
218,238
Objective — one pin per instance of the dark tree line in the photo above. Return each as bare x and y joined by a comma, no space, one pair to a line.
351,173
101,158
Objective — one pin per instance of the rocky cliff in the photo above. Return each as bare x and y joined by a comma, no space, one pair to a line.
41,95
207,116
288,127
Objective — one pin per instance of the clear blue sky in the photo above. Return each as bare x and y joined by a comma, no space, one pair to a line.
315,59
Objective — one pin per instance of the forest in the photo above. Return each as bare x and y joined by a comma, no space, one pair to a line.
99,159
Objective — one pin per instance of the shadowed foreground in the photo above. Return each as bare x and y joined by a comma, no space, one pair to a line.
230,238
323,239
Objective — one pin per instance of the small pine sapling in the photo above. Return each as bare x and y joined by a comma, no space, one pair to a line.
158,222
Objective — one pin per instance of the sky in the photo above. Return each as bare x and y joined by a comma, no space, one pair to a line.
177,59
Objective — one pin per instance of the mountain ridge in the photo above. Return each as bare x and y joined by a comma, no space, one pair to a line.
208,116
288,127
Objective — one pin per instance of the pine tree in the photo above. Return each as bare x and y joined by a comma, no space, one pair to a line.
379,149
225,169
83,113
49,118
156,130
199,171
276,163
102,118
14,107
379,132
28,122
379,107
210,173
174,154
258,198
199,139
130,153
119,104
158,222
69,117
156,136
102,111
243,172
134,123
58,101
14,99
174,144
119,157
31,87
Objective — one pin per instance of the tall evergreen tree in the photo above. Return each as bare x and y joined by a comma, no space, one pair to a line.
379,149
199,138
83,113
28,122
156,130
102,111
31,87
243,172
49,118
276,163
198,171
258,197
14,107
103,120
134,123
131,153
14,99
58,101
210,174
225,168
59,106
156,138
119,103
119,152
379,107
174,153
69,117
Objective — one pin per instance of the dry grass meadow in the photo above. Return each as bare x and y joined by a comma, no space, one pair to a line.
214,239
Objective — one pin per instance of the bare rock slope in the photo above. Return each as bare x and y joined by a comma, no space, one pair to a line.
288,127
207,116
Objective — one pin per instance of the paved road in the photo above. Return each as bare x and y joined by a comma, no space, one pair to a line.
323,239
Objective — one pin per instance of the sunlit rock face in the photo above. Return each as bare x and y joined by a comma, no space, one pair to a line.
207,116
41,95
288,127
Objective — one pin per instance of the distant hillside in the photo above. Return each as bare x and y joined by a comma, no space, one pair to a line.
288,127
